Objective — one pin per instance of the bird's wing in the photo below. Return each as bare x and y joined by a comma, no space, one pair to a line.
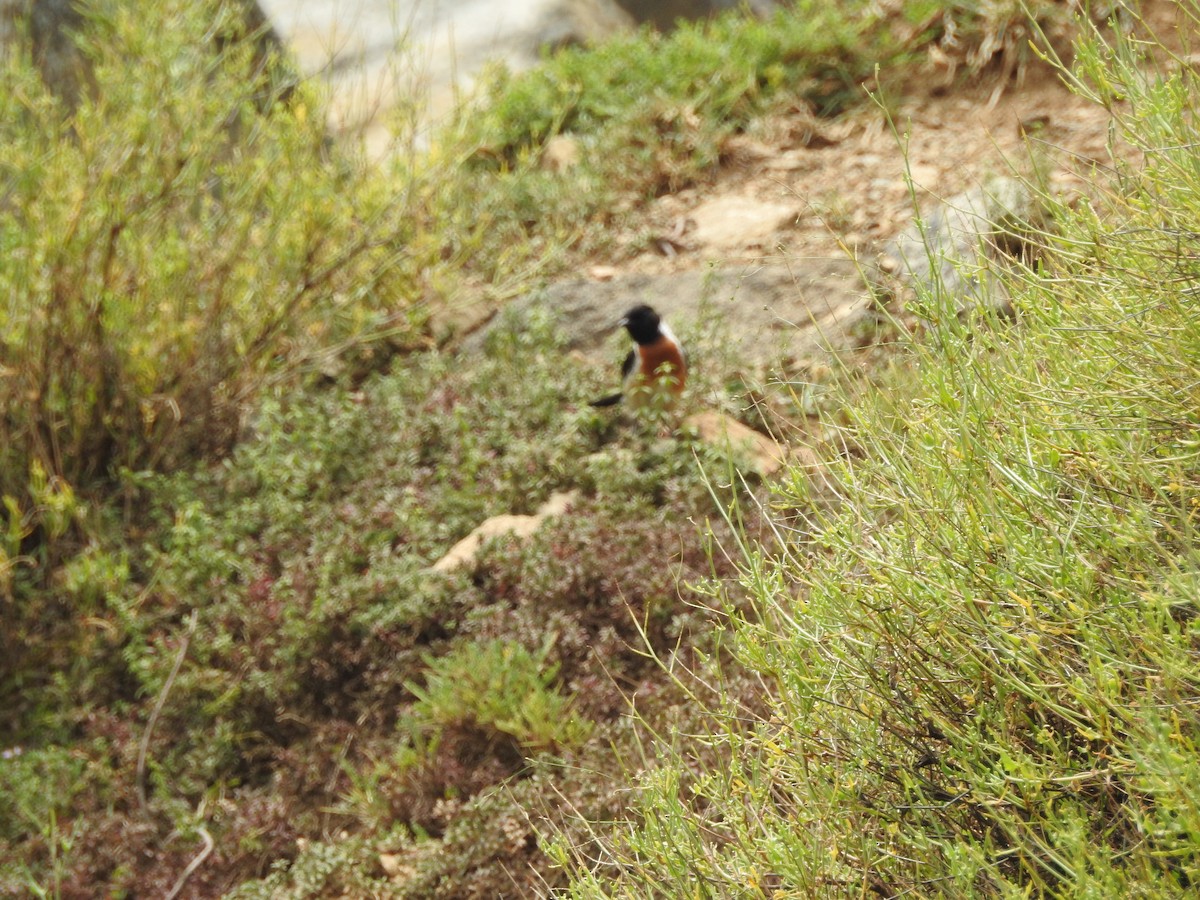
630,366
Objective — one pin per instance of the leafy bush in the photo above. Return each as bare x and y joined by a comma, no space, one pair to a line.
170,240
175,239
303,559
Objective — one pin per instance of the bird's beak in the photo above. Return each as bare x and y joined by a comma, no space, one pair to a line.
623,321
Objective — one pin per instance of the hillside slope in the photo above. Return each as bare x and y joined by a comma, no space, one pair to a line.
949,650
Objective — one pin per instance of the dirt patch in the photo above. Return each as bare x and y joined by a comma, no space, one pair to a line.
850,184
849,179
772,250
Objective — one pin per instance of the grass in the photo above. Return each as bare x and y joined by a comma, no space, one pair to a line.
223,492
979,670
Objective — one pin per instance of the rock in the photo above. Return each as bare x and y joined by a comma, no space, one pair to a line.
763,455
392,864
789,161
561,154
664,14
63,66
463,553
813,310
451,320
378,55
10,12
808,309
956,240
924,177
52,26
731,223
422,58
744,149
569,22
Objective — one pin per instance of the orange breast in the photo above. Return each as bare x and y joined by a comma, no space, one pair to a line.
662,361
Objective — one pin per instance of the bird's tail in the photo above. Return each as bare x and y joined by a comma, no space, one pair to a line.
612,400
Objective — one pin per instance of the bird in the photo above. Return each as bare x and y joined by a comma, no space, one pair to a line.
655,365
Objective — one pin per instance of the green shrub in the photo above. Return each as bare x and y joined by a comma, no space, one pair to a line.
176,238
498,687
37,788
168,242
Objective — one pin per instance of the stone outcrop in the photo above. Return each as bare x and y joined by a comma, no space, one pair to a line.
421,57
664,14
764,311
955,244
379,55
738,223
747,449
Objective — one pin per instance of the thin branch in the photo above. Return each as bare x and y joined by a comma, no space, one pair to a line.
194,864
158,706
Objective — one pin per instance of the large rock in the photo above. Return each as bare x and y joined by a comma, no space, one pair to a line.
420,56
53,25
746,448
761,313
952,248
812,311
739,223
664,14
379,55
464,552
10,12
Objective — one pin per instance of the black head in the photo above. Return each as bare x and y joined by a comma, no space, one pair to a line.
642,324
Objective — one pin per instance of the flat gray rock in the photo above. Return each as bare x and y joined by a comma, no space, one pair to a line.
953,245
760,314
811,310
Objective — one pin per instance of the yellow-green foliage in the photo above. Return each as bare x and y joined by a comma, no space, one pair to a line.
166,242
499,687
981,670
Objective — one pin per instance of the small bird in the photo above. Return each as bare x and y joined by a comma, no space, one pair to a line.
656,362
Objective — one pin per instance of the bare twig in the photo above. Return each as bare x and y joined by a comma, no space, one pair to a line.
194,864
158,706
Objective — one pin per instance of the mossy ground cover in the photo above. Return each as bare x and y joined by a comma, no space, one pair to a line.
330,681
224,653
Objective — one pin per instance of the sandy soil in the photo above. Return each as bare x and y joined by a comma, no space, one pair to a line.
844,181
848,187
